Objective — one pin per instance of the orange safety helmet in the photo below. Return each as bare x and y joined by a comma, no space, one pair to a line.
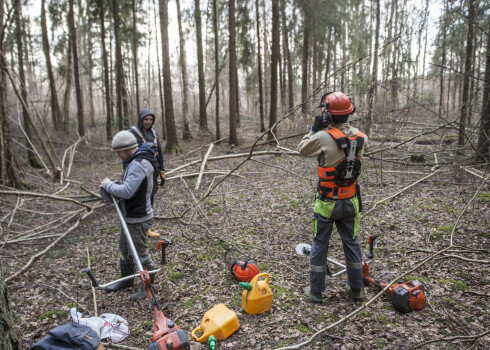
337,103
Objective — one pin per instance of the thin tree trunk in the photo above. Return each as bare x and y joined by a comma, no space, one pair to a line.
90,78
33,161
443,59
69,81
274,64
135,56
259,67
304,64
107,87
172,141
467,72
185,85
76,71
484,132
233,139
266,56
374,76
55,105
287,56
216,66
203,120
160,85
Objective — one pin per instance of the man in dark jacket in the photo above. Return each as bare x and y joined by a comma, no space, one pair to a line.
145,133
136,187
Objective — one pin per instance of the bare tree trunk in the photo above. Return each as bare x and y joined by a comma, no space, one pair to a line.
484,133
467,72
8,336
304,63
443,59
33,161
274,63
185,85
374,76
233,139
90,77
135,56
67,97
160,85
266,56
287,56
107,87
203,120
172,141
55,105
78,87
8,174
216,66
259,67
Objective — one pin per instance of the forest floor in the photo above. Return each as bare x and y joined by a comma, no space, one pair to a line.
263,211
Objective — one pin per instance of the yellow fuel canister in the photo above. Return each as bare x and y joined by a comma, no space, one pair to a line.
259,298
218,321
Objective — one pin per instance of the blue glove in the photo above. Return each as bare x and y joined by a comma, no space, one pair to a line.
318,124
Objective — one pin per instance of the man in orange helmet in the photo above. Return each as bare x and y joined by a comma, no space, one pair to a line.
338,147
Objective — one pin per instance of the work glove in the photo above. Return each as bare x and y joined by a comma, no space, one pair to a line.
162,177
318,124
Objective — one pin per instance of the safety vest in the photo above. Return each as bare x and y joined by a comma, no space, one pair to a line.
339,182
153,145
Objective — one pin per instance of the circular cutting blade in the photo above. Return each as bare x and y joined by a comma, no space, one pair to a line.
303,249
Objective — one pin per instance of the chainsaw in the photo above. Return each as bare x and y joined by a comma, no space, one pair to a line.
166,334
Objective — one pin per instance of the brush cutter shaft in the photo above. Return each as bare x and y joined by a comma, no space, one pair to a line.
136,258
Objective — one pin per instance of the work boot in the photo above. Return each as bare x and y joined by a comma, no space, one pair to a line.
356,295
141,293
312,297
153,234
127,269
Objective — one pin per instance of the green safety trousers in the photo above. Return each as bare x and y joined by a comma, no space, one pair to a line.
345,214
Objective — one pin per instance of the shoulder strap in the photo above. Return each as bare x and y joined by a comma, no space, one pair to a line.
138,133
340,138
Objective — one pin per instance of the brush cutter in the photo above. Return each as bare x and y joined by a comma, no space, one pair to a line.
166,334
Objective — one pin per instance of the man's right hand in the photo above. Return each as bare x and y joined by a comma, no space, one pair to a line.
104,182
318,124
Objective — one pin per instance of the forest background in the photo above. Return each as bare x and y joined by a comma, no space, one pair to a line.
233,85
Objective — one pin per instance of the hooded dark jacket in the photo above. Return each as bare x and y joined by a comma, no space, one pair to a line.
149,137
69,336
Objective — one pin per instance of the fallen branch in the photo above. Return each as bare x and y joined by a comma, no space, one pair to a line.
464,259
34,257
461,337
42,195
203,166
119,346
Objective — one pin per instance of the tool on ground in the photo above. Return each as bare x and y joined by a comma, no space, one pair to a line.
166,334
371,240
212,342
219,321
257,296
243,271
305,249
406,297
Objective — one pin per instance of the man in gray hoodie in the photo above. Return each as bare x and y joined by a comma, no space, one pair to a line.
136,188
146,133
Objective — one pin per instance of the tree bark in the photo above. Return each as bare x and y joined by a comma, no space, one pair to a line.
216,66
185,82
55,104
233,139
467,73
160,85
107,87
135,55
203,119
259,68
8,336
287,56
69,81
33,161
304,62
484,132
443,59
374,76
274,63
172,141
76,71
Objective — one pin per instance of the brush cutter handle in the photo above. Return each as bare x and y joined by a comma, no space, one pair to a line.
95,282
162,245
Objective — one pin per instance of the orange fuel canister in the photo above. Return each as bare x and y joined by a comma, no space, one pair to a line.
258,299
218,321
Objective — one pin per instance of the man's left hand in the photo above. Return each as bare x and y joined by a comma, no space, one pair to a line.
104,182
162,178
